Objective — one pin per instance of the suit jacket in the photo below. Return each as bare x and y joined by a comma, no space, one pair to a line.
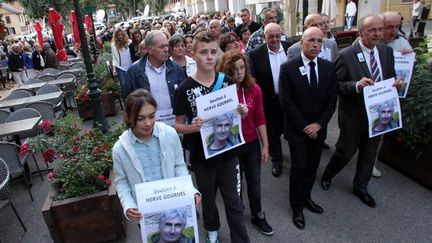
260,69
349,70
295,49
299,106
36,57
51,59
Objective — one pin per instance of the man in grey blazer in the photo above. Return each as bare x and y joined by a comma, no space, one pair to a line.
329,47
366,61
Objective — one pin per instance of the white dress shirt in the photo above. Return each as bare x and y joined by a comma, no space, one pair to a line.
306,62
366,53
276,59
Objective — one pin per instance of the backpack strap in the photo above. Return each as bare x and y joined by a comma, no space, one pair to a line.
219,82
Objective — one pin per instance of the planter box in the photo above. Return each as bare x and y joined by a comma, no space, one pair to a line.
416,164
90,218
107,103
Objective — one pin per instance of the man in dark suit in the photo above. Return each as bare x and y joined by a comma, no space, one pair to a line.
308,94
364,62
265,62
246,22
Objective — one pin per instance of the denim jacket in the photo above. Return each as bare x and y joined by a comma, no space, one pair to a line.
136,77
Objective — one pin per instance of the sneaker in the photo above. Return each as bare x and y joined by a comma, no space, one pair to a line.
260,222
376,173
212,237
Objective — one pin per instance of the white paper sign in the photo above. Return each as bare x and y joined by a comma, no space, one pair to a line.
221,130
404,65
168,209
166,116
382,107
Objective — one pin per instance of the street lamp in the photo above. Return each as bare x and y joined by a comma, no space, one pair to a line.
94,92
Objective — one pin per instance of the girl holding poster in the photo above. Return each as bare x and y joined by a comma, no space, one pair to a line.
146,151
234,64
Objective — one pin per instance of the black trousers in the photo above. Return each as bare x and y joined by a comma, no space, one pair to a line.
224,175
274,119
305,158
349,141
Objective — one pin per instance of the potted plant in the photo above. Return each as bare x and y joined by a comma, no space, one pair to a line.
82,204
109,86
410,148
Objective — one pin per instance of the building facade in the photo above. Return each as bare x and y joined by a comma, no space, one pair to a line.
16,22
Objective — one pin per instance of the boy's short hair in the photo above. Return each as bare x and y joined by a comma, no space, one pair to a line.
203,36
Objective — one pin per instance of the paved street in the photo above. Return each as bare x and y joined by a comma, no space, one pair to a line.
403,213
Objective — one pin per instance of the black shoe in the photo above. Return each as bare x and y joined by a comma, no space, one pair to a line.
313,207
259,220
325,184
277,170
365,197
325,146
298,219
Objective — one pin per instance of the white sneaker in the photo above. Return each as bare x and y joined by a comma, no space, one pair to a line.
376,173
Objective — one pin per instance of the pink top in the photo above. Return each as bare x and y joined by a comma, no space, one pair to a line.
255,117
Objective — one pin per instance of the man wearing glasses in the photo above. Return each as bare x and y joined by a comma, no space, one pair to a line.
362,64
265,62
308,94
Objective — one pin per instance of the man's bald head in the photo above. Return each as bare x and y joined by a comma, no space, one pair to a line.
311,42
272,26
313,20
392,22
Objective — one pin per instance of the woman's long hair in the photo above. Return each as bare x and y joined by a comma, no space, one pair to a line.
119,45
227,66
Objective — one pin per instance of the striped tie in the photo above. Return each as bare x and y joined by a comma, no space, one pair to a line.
374,66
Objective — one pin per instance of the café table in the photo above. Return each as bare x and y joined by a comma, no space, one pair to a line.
58,82
4,104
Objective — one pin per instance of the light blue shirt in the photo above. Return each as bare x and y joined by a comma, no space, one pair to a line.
158,85
149,155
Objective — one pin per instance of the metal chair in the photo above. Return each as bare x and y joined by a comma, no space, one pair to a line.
26,113
69,89
45,109
5,199
77,65
32,92
34,81
9,154
4,115
50,88
49,71
47,77
16,94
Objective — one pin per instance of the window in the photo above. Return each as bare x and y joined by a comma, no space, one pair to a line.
8,20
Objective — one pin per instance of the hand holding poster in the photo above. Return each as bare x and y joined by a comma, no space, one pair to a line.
168,208
221,129
404,65
382,107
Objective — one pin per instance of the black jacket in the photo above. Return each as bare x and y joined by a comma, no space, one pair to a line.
15,62
36,57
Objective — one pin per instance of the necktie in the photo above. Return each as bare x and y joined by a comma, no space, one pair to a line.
374,68
313,79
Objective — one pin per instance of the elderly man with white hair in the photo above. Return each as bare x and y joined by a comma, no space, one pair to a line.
16,65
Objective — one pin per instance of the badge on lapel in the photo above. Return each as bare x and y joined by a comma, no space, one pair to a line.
360,57
302,70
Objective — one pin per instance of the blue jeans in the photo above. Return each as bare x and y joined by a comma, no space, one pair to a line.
349,20
250,166
121,74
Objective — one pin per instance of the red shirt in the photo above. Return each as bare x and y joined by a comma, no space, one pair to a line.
255,117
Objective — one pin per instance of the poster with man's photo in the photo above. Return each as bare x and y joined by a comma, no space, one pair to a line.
382,107
221,130
404,65
168,209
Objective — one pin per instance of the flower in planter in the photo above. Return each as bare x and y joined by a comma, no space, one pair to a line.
84,157
24,149
46,125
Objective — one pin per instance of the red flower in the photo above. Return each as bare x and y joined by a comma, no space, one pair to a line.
51,176
91,134
74,124
48,155
399,139
61,156
24,149
75,148
105,147
46,125
108,182
101,177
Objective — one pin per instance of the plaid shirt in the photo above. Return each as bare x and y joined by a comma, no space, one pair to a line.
255,40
